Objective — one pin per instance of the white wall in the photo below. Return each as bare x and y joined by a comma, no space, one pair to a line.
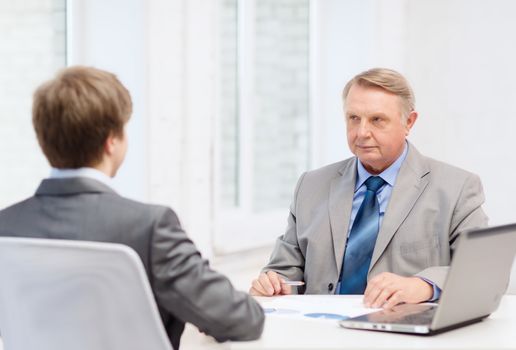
463,71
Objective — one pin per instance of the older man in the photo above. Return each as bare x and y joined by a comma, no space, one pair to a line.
383,223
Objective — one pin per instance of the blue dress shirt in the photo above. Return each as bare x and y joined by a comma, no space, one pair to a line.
389,175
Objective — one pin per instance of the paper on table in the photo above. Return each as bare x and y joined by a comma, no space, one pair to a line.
298,306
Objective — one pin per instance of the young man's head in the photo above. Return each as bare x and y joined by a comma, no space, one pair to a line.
79,118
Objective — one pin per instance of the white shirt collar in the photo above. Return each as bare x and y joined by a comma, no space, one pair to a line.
82,172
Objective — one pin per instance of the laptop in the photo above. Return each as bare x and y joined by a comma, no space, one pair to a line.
477,279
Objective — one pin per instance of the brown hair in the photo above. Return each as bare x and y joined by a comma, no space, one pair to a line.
74,113
389,80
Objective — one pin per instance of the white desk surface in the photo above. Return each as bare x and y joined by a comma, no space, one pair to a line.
496,332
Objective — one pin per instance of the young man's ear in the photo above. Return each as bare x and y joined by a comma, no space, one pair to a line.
110,144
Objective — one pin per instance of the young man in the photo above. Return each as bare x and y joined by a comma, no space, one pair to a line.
79,118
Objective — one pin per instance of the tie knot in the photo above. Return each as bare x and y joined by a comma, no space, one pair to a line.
374,183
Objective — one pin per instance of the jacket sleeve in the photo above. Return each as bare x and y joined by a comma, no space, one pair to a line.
287,258
467,215
188,288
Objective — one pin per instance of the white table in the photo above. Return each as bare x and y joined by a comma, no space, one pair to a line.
496,332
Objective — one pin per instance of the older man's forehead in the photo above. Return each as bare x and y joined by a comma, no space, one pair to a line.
371,100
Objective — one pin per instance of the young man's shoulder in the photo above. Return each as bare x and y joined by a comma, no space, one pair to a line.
104,206
156,211
119,208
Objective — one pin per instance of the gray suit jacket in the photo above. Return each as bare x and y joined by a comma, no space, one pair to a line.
185,288
431,204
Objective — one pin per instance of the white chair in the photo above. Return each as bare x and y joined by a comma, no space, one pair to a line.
512,282
72,295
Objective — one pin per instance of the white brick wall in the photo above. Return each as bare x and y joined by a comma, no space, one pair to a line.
32,48
279,119
262,132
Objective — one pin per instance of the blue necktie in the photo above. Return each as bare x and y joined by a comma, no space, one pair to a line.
361,241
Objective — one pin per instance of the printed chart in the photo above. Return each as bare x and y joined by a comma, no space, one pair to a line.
315,307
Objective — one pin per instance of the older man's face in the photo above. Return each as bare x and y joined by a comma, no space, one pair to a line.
376,131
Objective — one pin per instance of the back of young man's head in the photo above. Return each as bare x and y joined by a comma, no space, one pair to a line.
74,114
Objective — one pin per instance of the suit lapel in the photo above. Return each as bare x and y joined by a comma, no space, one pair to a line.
410,183
342,189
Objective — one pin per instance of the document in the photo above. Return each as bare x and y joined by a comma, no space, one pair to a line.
322,308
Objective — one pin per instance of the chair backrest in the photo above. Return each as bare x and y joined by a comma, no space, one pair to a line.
73,295
512,283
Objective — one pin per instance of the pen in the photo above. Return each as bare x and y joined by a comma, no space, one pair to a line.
293,283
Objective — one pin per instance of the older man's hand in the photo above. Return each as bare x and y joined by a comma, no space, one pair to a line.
269,284
387,290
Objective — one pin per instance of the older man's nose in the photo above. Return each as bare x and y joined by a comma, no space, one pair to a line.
364,129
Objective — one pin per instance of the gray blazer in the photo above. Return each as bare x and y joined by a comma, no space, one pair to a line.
431,204
185,288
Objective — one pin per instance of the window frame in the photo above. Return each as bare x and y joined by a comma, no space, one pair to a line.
240,228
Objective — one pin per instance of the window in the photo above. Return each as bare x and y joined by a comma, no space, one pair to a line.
263,118
33,47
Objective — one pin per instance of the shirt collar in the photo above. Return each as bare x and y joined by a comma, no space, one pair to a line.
388,175
82,172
